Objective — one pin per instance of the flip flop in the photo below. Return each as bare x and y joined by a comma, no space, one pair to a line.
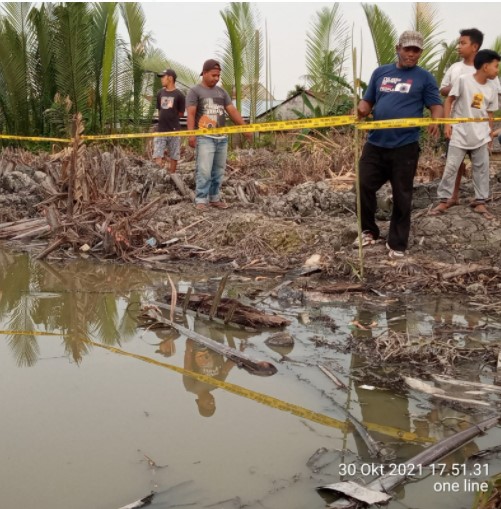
487,215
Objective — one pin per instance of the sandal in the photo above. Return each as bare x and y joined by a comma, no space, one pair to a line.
480,208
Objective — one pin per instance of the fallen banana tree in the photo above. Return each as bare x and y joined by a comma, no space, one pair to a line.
377,490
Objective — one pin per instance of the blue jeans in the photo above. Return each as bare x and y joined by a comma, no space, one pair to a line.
210,166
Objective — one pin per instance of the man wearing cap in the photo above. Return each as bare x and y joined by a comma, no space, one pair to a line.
207,105
170,105
399,90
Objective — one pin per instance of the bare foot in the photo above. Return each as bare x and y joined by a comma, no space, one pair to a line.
441,208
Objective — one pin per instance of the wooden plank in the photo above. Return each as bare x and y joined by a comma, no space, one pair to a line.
464,383
436,392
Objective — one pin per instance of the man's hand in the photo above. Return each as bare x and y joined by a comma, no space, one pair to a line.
192,141
434,130
448,131
249,137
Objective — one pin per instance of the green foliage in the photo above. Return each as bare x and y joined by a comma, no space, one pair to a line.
383,32
326,45
242,55
427,23
63,58
448,57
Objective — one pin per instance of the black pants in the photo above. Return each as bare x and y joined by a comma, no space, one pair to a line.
377,166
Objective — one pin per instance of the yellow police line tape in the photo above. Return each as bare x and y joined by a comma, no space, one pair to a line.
283,125
248,393
34,138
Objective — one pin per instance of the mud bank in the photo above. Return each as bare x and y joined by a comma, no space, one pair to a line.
285,208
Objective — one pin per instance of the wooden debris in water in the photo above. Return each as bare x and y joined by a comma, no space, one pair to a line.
255,366
241,314
421,386
140,503
389,481
400,347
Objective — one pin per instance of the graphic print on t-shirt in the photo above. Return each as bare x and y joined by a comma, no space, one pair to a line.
167,102
390,84
477,101
212,109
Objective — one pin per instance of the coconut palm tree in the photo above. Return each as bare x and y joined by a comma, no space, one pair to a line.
242,54
437,55
383,32
326,50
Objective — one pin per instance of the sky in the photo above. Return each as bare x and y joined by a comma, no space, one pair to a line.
191,32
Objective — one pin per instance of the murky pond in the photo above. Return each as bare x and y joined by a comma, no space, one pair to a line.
86,426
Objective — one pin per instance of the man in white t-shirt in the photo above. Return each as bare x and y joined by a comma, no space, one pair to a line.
471,96
469,43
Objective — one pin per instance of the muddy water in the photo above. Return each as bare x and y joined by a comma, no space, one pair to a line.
84,427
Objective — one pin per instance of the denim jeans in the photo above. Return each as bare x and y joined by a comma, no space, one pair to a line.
210,166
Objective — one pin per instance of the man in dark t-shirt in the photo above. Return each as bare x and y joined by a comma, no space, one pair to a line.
170,104
399,90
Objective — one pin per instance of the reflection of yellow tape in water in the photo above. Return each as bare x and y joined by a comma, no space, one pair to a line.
283,125
247,393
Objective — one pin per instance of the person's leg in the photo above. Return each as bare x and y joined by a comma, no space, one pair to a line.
218,169
455,157
158,150
174,144
454,199
372,176
403,169
205,150
480,173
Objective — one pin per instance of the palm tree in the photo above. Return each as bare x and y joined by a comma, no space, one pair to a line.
242,54
57,60
134,19
383,32
427,23
437,55
326,47
15,66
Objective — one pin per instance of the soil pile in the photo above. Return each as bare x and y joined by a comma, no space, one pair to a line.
286,207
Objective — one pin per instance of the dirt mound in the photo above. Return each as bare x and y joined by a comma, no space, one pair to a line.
285,208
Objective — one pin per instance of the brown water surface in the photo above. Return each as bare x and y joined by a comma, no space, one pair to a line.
84,427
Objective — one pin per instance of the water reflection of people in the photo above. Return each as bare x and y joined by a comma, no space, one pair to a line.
377,406
200,359
168,346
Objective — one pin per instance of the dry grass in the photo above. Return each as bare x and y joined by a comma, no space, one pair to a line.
399,347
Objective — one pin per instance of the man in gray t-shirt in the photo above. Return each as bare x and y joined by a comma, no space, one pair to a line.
207,105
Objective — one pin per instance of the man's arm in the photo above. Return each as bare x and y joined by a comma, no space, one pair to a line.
437,111
446,85
235,116
447,114
190,124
